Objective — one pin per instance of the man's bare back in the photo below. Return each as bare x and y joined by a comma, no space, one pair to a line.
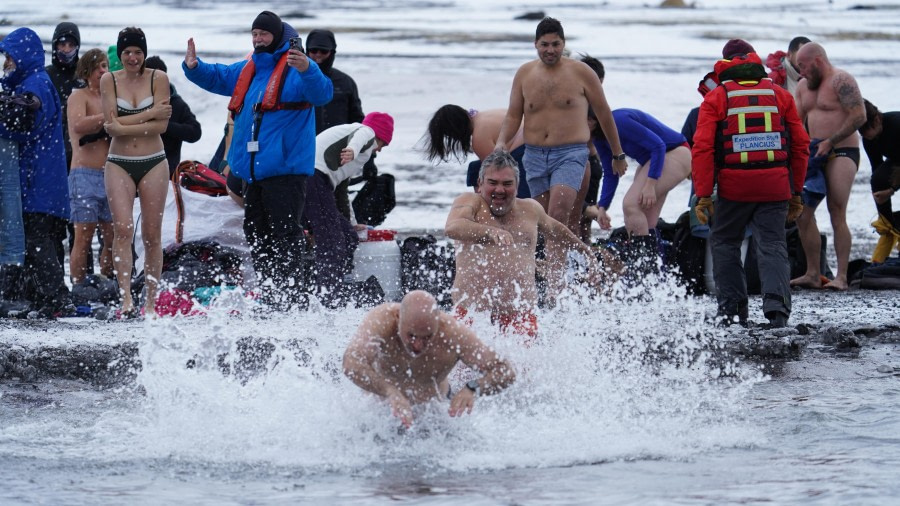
485,130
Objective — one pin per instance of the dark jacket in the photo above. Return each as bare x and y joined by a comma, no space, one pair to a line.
887,145
183,127
42,159
63,76
345,106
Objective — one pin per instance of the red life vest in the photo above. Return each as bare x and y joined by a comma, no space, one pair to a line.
753,134
270,100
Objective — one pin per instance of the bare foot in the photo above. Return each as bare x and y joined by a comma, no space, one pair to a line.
807,281
837,284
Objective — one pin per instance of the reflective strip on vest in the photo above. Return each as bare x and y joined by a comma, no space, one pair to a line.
753,108
752,115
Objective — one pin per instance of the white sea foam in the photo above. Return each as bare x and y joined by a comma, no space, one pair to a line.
606,381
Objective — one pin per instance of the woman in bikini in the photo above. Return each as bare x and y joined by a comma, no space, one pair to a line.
136,108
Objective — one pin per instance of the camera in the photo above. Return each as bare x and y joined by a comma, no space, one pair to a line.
296,43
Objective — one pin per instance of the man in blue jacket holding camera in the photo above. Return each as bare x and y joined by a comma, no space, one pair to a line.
273,95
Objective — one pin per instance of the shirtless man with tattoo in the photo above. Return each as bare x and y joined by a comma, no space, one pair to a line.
830,104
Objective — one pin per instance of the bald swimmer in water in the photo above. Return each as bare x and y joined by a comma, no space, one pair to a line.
405,351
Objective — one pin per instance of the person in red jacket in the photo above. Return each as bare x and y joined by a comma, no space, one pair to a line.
751,144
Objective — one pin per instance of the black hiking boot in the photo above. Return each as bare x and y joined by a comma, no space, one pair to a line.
777,319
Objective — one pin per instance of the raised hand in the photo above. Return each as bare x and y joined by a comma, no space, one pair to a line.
190,56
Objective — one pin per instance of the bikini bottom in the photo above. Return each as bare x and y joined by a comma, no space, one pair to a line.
137,166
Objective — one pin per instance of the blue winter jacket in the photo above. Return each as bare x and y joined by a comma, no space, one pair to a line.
42,154
287,138
643,138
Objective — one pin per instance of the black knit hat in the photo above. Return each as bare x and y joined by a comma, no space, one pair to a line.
270,22
131,36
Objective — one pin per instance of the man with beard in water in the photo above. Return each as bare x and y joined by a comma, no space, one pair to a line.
831,106
496,235
405,351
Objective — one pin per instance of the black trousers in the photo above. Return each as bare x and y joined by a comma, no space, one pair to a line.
881,180
42,279
272,211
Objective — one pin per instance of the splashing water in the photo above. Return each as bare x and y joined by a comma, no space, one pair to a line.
606,381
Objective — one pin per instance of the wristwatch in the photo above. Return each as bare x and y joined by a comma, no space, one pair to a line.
620,156
474,387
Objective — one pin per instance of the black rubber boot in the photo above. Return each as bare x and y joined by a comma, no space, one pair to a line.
777,319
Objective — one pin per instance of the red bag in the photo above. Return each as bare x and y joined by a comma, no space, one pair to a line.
196,177
199,178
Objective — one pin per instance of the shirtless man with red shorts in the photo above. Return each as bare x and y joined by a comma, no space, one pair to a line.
496,235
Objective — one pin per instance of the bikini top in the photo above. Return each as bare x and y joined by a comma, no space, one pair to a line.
124,108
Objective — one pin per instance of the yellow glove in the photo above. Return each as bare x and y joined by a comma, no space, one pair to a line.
795,207
704,210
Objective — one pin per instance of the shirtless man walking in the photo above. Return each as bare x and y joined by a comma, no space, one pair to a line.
496,235
830,104
553,94
405,351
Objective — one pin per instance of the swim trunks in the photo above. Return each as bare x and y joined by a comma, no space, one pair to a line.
557,165
87,196
815,187
847,152
522,324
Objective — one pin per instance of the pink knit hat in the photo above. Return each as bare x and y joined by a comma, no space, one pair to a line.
382,123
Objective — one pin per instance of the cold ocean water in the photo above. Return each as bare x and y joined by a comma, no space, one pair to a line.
619,402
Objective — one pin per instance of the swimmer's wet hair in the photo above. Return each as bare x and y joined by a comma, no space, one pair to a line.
449,133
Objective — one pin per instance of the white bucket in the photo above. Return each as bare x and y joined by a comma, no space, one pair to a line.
379,256
708,277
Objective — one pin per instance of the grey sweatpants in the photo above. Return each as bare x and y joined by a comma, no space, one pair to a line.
766,221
